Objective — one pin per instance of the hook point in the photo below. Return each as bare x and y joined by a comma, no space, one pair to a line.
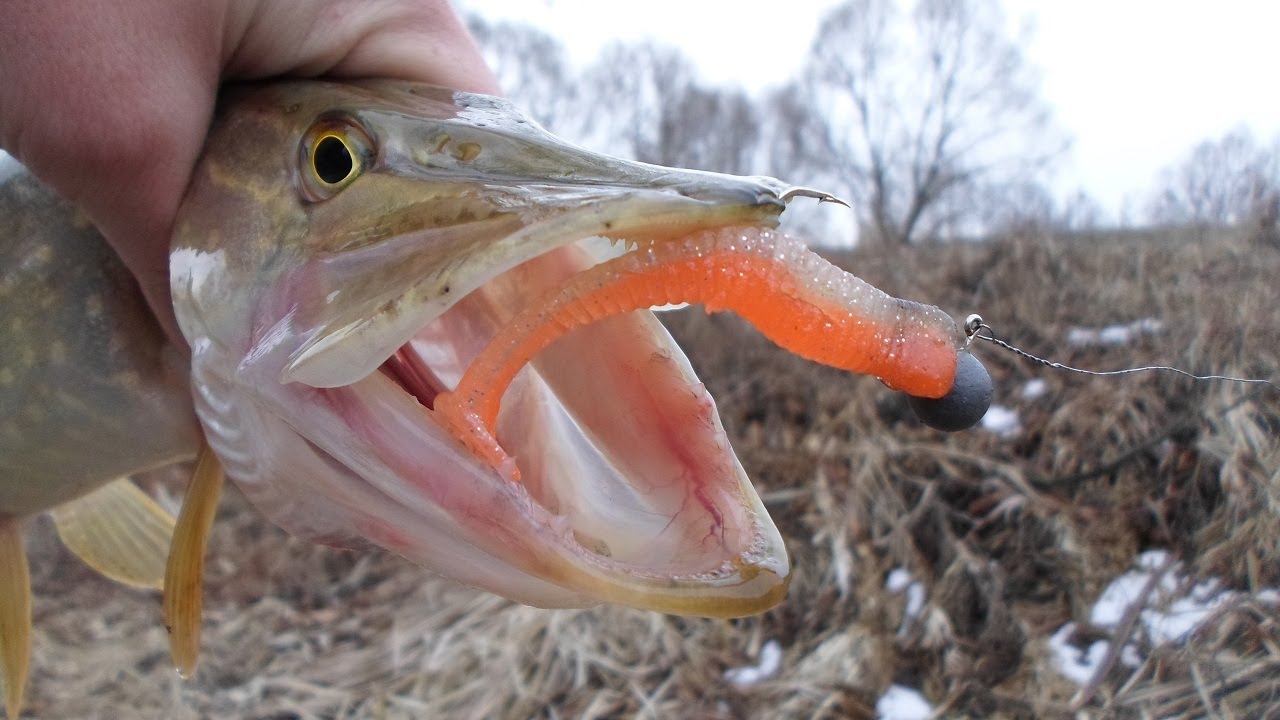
796,191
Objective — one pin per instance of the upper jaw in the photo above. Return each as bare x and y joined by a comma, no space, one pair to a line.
523,193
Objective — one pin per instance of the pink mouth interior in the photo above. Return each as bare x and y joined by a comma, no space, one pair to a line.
611,432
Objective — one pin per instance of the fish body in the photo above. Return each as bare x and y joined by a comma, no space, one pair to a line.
345,251
396,338
89,386
91,391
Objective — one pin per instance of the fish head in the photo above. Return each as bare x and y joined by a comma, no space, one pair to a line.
342,254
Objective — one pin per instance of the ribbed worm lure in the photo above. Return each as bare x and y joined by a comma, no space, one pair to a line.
794,297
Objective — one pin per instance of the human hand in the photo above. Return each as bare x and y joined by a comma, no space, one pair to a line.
109,103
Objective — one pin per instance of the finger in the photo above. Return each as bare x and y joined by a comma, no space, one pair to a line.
114,116
422,40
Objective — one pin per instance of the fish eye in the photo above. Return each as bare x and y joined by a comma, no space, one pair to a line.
332,161
333,154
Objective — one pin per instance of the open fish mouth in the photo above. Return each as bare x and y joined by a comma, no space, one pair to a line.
603,441
618,446
422,355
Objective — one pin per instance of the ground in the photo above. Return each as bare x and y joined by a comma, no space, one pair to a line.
968,567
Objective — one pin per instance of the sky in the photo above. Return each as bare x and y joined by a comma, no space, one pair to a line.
1135,83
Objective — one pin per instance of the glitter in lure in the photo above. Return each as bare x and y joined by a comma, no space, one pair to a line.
794,297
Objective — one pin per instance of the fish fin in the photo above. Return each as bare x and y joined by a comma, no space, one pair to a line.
15,614
184,574
119,531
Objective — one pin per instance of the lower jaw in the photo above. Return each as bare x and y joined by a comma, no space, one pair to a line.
526,551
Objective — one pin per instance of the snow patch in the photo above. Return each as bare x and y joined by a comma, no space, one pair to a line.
768,664
900,702
1113,335
1035,388
1174,609
1002,421
900,580
1078,665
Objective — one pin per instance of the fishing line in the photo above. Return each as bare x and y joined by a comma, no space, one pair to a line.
976,328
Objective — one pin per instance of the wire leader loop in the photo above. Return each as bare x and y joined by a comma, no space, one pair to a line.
976,328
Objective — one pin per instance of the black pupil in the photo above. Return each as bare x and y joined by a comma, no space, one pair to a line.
332,160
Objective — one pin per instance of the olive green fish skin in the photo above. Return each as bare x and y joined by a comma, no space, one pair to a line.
90,389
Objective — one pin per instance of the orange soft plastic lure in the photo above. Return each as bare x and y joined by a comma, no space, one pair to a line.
794,297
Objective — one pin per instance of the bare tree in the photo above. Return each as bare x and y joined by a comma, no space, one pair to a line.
1001,209
631,87
656,111
1220,182
533,70
639,100
1080,211
1012,208
925,112
713,129
794,126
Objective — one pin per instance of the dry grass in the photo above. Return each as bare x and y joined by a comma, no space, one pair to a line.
1011,537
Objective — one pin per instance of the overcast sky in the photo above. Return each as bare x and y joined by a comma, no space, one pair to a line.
1135,83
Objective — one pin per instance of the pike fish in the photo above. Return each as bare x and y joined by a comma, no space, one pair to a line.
398,339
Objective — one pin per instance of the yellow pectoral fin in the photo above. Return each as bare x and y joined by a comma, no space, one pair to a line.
15,614
119,531
184,575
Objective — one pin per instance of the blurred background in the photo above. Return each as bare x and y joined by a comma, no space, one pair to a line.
1099,180
938,120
